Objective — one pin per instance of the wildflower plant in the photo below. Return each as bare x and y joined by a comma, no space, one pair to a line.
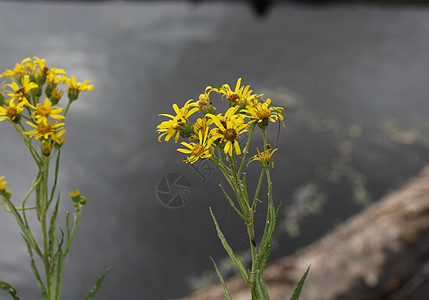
214,137
29,95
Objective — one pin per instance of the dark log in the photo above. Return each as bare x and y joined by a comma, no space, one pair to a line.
370,256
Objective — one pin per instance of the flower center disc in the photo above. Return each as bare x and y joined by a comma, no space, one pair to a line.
197,150
230,134
233,98
43,128
263,114
11,112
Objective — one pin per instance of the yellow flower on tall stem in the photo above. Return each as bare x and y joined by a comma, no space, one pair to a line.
177,123
228,129
43,111
2,183
74,87
262,113
20,93
200,149
11,111
241,95
265,158
43,130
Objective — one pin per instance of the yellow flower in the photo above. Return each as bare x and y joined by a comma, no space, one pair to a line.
21,93
3,191
265,158
177,123
11,111
52,77
229,128
200,149
201,125
57,137
45,110
241,95
74,87
262,113
43,130
77,198
204,104
2,183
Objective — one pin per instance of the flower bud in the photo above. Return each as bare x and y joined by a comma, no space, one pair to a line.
187,130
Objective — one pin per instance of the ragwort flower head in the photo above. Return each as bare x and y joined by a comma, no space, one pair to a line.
262,113
240,96
179,124
44,130
3,191
204,104
74,87
43,111
200,149
229,129
11,111
265,158
20,93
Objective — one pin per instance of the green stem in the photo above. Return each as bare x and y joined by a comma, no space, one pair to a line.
246,149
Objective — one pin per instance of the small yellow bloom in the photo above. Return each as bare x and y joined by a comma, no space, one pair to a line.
3,191
241,95
265,158
174,126
44,130
77,198
74,87
20,93
57,137
45,110
229,128
200,149
11,111
263,113
2,183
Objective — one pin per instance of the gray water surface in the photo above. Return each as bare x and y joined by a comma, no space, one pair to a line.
354,65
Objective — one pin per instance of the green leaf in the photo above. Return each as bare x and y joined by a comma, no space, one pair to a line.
225,289
96,287
8,288
52,227
34,268
56,273
297,293
259,289
267,238
229,250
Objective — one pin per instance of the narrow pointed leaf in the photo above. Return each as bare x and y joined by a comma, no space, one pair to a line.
297,293
97,286
52,233
225,289
229,250
8,288
34,268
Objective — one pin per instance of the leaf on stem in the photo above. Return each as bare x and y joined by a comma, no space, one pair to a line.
231,202
34,268
229,250
56,272
8,288
225,289
97,285
52,233
297,293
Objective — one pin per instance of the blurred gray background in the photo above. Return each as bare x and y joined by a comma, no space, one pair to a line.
353,81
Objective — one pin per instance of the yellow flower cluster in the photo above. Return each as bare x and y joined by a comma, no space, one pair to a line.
213,130
21,97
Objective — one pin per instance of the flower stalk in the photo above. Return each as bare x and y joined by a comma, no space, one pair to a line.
221,146
42,133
